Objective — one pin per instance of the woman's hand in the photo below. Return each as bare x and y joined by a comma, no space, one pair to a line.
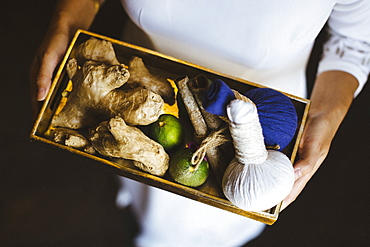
46,59
313,149
330,101
69,16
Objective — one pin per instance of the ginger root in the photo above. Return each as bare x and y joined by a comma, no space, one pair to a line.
114,138
141,76
72,138
91,85
138,106
96,50
96,97
103,51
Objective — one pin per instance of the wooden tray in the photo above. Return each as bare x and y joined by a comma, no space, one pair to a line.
209,193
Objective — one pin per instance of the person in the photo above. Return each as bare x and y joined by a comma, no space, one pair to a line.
268,42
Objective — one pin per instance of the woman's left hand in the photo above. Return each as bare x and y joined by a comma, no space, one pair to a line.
331,98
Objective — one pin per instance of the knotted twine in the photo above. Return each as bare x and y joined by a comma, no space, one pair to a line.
246,131
214,139
256,153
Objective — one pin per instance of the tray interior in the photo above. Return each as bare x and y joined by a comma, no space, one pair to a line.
210,192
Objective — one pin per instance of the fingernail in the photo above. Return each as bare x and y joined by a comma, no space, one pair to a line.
41,94
297,173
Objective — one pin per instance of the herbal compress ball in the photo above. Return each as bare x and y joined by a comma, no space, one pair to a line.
277,115
217,97
276,111
256,179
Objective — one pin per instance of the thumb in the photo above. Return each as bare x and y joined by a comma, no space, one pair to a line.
45,73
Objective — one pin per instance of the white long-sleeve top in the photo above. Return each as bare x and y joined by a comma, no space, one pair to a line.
264,41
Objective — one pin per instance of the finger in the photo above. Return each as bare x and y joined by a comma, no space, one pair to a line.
35,105
305,165
304,169
298,186
309,161
32,76
47,63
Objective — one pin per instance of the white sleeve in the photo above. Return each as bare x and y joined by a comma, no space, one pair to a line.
348,46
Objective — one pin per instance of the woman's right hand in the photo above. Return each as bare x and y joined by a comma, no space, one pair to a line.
69,16
46,59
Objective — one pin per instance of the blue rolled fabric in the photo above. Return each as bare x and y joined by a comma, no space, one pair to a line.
217,96
276,111
277,114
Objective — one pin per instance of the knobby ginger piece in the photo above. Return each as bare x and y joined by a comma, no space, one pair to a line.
138,106
96,50
72,138
96,97
141,76
91,85
114,138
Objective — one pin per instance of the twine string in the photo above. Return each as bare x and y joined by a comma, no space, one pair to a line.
215,139
246,132
248,142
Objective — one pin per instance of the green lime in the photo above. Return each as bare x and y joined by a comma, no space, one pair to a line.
183,172
167,131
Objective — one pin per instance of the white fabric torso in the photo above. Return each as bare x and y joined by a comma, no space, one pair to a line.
167,219
267,42
264,41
